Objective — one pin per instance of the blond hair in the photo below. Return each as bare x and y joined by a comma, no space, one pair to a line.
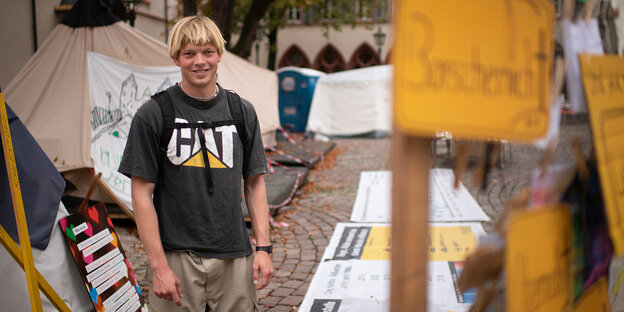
198,30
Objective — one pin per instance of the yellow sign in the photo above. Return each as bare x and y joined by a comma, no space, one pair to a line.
446,243
595,299
478,69
450,243
538,260
603,80
378,244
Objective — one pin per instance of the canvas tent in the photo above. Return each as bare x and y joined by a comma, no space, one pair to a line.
352,102
51,94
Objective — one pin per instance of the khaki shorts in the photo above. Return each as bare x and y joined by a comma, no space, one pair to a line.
222,284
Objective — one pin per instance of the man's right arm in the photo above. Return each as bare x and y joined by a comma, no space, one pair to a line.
165,284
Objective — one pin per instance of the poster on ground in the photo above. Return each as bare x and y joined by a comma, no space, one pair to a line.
371,241
101,261
116,91
446,204
364,285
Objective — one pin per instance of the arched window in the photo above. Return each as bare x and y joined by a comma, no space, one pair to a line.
364,56
329,60
294,56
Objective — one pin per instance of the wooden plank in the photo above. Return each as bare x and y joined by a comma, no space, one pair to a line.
18,208
85,201
119,203
411,161
44,286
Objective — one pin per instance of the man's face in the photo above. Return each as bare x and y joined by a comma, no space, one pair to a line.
198,65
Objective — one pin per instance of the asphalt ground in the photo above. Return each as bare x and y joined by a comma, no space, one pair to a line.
328,196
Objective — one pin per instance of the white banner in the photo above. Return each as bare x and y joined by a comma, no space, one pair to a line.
117,90
446,204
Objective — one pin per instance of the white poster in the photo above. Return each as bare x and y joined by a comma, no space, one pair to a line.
446,204
117,90
361,285
349,285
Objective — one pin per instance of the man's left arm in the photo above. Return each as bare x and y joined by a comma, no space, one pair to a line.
255,198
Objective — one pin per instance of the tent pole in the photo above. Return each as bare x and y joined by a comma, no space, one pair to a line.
34,26
18,207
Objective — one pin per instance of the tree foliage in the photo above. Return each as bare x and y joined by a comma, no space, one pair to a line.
245,17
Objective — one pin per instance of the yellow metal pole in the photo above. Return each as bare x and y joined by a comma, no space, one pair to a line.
18,207
47,289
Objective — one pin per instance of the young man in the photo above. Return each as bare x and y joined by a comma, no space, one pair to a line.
193,230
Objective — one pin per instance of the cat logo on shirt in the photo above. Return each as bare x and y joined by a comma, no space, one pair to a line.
185,143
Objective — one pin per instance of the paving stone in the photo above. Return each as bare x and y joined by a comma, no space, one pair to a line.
282,292
291,300
292,284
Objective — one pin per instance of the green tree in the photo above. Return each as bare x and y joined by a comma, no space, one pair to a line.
245,17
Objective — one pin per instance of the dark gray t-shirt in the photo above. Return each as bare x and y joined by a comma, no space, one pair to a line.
191,218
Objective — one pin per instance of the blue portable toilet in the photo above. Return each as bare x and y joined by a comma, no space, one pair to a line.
296,88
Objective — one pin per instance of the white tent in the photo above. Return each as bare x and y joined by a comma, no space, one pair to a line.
51,93
352,102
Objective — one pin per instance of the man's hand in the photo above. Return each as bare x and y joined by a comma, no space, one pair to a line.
167,285
262,269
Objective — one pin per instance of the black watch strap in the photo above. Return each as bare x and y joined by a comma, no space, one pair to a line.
268,249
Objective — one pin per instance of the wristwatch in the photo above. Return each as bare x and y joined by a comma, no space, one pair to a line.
268,249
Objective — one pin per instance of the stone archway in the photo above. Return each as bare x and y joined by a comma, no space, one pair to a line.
329,60
364,56
294,56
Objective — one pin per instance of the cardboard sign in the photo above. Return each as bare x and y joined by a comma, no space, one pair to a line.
538,260
477,69
595,299
603,79
101,261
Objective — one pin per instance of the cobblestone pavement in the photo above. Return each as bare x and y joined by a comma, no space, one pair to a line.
328,198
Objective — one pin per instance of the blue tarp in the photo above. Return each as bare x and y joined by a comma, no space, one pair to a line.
41,185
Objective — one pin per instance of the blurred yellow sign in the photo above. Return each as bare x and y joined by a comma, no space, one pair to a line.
538,260
603,80
478,69
595,299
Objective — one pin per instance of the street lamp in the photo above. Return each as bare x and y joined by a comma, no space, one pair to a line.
380,37
130,6
259,36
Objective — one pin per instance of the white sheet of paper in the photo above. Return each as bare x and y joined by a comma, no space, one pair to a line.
578,37
446,204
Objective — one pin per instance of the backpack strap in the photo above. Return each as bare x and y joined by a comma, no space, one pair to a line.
163,98
236,109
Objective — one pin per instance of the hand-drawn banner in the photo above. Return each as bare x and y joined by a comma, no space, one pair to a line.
117,90
478,69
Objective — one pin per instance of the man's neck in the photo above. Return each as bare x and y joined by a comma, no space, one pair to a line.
206,92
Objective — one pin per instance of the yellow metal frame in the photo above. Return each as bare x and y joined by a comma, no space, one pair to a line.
22,256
